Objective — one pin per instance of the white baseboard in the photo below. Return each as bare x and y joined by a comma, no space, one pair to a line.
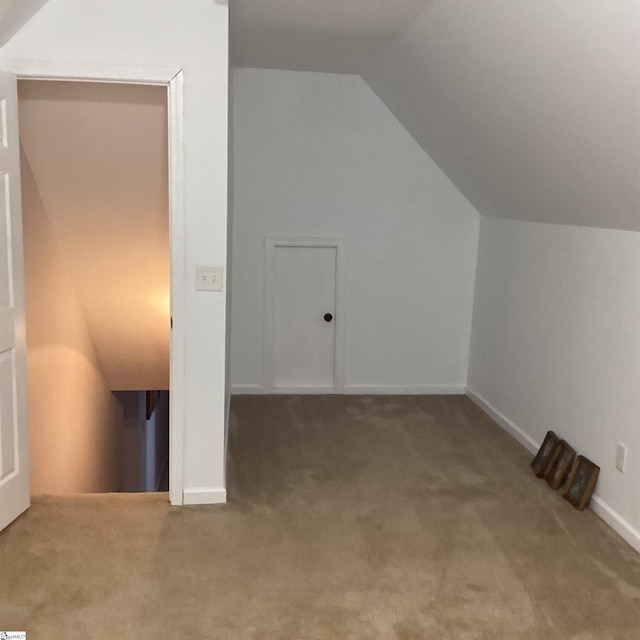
257,390
356,389
400,390
623,528
205,495
510,427
601,508
302,391
246,389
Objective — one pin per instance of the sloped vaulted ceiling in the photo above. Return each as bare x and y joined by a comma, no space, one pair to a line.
334,36
531,107
14,14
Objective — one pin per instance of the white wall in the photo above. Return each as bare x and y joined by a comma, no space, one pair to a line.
320,155
191,35
556,345
75,424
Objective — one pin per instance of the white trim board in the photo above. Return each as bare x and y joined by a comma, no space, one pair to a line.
204,495
173,80
510,427
175,91
401,390
250,390
356,389
247,389
81,72
610,516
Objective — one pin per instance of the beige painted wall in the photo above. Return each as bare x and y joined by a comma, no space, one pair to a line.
98,153
75,424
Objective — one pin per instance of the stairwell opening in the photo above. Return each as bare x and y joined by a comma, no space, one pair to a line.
94,172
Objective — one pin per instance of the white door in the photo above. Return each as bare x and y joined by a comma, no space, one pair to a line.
14,455
304,309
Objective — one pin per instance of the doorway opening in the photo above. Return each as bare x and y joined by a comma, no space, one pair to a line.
95,184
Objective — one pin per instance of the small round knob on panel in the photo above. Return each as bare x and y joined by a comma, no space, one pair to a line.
328,317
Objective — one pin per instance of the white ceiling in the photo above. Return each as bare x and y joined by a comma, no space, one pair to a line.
531,107
337,36
14,14
98,153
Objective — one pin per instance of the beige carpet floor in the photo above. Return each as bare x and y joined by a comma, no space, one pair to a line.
349,517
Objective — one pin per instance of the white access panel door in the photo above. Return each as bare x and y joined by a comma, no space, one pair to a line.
304,308
14,454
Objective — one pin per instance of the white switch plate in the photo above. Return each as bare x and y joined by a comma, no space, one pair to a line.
209,278
621,457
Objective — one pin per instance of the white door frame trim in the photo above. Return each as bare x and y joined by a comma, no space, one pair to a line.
173,80
270,244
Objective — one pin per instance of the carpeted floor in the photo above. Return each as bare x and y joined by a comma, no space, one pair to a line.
349,518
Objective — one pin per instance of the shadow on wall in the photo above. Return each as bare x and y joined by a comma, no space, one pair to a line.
75,424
